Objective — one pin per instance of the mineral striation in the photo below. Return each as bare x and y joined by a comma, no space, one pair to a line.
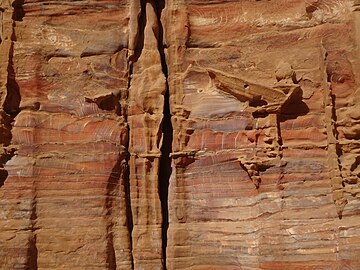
179,134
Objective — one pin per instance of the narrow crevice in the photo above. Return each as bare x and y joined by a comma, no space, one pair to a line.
11,107
7,151
167,130
11,104
129,217
160,5
9,111
165,171
140,35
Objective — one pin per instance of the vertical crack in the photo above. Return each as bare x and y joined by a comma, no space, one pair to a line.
137,43
12,108
160,5
138,24
9,89
10,99
165,171
167,130
129,217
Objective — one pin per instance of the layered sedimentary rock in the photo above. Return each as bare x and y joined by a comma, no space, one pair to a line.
64,202
264,163
179,134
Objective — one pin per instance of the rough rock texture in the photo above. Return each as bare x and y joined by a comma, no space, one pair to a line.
179,134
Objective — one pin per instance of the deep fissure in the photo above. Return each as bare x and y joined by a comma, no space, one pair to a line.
129,217
167,130
165,172
11,108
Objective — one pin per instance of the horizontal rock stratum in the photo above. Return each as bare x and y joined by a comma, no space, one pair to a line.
180,134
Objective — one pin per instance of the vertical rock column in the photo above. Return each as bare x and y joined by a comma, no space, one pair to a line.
146,103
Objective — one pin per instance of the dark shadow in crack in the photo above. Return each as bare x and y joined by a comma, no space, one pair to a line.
167,130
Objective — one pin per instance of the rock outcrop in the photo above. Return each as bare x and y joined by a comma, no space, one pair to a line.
179,134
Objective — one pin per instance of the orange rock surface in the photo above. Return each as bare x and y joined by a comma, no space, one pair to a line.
179,134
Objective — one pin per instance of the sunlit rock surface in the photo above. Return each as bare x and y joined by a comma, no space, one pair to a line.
179,134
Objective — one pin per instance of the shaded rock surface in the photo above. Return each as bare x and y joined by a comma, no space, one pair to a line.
179,134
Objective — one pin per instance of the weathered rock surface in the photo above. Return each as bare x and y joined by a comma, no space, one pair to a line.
179,134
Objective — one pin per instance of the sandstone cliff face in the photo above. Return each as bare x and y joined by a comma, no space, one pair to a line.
179,134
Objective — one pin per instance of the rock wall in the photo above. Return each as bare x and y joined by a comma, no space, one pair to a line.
179,134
